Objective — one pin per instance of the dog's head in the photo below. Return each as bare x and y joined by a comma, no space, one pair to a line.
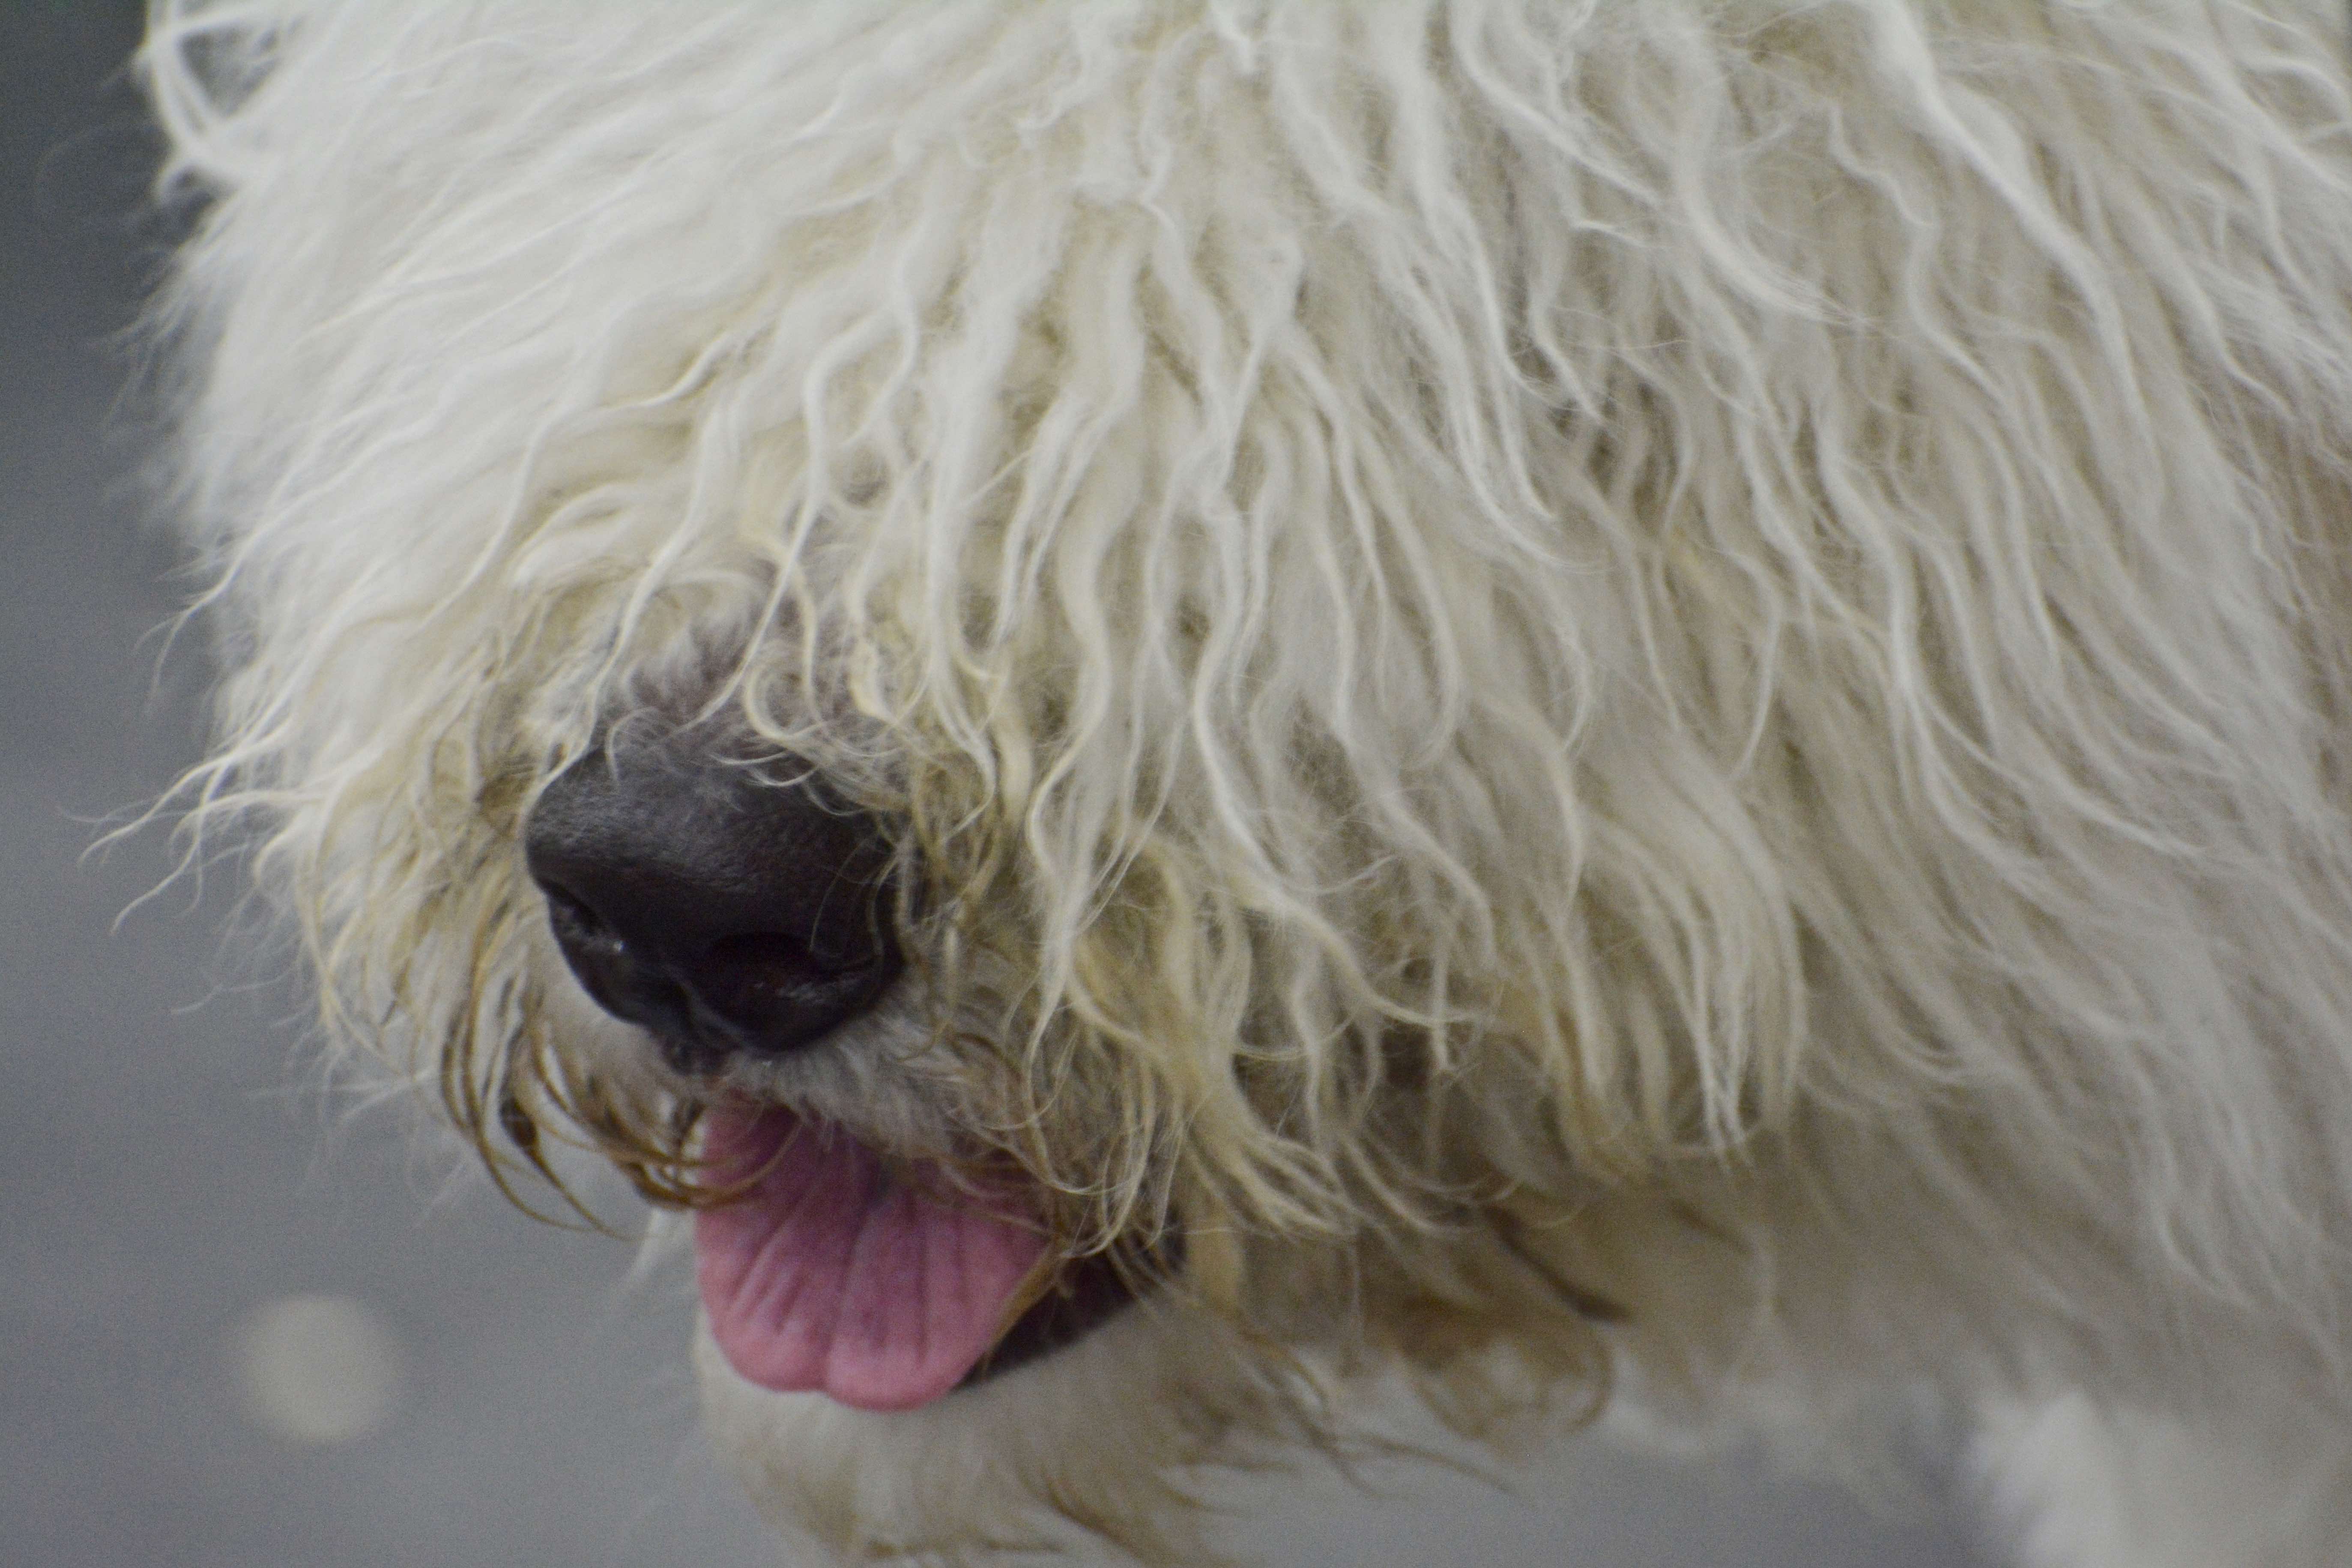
1109,675
943,629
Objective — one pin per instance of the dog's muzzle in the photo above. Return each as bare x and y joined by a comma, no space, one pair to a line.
724,907
732,910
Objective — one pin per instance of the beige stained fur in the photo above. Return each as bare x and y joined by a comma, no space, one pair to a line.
1615,694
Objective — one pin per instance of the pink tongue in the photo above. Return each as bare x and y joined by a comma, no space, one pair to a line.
832,1274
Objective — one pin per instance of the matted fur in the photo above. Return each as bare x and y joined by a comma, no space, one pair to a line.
1537,661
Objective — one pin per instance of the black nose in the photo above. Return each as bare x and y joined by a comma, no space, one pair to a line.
723,907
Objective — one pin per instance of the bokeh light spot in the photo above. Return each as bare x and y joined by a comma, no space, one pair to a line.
318,1370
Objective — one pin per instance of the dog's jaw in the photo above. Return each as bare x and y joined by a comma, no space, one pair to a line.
1087,1428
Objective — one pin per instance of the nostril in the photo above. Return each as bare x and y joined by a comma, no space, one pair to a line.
599,959
572,918
783,988
772,952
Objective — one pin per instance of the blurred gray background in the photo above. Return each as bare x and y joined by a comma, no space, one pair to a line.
238,1327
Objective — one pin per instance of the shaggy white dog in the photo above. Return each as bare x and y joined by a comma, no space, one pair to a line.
1569,699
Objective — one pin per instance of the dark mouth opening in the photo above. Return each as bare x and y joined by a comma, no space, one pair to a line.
1090,1293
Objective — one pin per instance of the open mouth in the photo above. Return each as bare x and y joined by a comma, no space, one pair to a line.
833,1272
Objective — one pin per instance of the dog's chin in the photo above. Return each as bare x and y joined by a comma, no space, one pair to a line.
1073,1427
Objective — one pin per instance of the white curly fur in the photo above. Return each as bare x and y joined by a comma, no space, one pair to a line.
1690,654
